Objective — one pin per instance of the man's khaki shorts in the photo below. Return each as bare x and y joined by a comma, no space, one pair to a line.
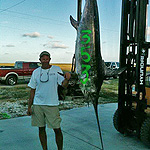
42,115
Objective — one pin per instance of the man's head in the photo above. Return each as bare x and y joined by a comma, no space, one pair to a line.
45,53
45,59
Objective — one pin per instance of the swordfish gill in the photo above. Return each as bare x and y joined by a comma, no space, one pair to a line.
90,67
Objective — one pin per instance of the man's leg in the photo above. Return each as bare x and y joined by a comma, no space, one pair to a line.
43,137
59,138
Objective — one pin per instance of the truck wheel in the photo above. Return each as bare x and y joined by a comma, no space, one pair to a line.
116,122
11,80
145,132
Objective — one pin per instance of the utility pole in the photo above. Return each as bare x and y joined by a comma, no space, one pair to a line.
79,10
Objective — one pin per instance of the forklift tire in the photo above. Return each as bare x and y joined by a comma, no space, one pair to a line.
116,122
145,132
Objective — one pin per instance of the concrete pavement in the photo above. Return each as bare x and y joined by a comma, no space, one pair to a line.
79,129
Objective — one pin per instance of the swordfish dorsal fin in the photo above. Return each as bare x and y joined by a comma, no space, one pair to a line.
74,23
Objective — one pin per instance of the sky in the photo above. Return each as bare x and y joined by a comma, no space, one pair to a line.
27,27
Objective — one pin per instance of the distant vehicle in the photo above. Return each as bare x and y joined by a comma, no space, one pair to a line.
21,70
112,65
6,66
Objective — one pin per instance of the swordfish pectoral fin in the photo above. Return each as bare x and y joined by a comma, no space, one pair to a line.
120,70
74,23
112,73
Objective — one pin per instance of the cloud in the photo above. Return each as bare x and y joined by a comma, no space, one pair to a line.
32,35
61,46
9,45
4,22
148,30
50,43
24,42
56,41
6,53
47,44
68,52
104,42
50,37
55,45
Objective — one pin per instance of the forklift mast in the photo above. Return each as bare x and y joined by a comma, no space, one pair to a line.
133,56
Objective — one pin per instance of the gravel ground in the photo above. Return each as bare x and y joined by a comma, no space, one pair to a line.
12,109
18,108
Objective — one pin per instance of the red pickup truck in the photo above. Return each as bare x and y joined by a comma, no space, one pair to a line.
21,70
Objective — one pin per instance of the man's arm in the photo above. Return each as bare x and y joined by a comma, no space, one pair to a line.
30,102
67,77
65,83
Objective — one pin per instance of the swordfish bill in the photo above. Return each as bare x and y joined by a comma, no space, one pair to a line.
89,63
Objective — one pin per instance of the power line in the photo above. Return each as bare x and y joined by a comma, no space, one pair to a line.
50,19
12,6
45,18
45,21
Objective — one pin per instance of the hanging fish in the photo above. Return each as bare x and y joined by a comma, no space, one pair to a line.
90,67
89,63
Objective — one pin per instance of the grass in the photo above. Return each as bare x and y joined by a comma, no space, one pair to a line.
4,116
108,91
14,93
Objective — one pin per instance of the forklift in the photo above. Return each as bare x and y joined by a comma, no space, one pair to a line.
133,115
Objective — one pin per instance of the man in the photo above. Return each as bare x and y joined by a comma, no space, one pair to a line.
44,98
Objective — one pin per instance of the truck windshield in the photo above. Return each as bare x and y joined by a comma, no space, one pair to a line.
18,65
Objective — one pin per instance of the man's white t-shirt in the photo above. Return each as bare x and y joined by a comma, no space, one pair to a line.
46,81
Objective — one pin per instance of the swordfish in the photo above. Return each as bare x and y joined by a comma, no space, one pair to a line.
90,66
